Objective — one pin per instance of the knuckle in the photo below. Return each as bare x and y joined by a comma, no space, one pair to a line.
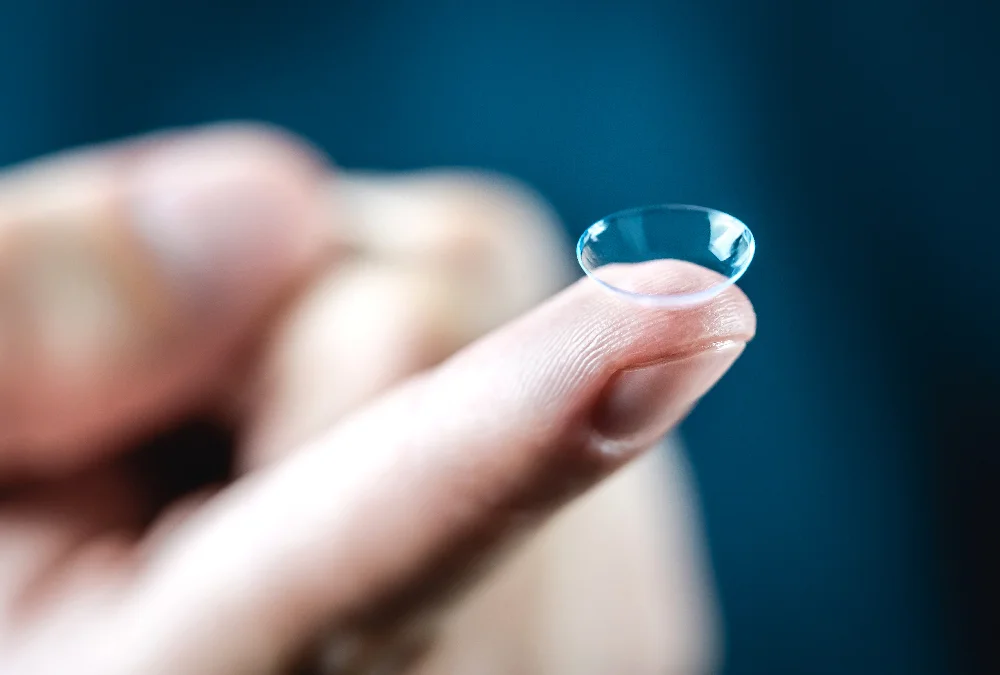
271,146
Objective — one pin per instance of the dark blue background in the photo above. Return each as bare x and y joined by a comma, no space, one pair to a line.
848,463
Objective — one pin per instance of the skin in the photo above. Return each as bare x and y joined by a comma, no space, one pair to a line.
419,426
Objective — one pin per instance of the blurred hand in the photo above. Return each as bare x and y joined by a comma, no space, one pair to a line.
231,271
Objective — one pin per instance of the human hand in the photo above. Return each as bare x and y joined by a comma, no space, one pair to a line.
124,308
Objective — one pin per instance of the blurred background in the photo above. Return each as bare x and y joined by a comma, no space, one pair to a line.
848,465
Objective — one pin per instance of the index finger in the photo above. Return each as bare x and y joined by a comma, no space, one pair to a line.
366,524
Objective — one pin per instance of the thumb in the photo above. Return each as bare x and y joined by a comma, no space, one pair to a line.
397,502
128,275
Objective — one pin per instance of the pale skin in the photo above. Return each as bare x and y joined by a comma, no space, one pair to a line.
420,404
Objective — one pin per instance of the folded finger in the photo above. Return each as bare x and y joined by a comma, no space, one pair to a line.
129,274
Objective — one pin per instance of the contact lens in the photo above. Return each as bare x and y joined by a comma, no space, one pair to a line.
678,232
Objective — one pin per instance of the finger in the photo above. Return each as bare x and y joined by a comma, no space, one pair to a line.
129,275
357,331
497,236
403,496
443,259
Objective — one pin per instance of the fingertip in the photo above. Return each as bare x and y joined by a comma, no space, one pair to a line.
586,334
494,235
654,284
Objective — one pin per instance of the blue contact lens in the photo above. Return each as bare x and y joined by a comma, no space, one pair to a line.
688,234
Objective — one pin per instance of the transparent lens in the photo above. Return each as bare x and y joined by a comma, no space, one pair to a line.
691,234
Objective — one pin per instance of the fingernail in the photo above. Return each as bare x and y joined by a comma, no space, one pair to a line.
642,404
221,221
